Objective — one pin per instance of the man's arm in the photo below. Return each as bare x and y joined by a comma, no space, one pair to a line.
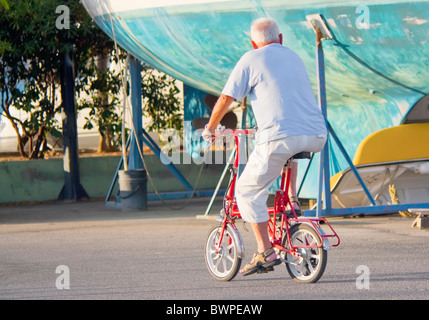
219,110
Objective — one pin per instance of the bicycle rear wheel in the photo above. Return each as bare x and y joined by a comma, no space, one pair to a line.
312,263
224,263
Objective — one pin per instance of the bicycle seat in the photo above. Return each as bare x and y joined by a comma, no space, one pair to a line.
302,155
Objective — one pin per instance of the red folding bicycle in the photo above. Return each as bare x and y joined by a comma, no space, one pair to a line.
301,243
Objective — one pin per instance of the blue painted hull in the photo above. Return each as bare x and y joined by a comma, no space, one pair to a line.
373,78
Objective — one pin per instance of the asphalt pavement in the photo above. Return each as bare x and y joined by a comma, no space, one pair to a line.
89,251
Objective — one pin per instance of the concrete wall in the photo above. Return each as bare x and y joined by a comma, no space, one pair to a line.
42,180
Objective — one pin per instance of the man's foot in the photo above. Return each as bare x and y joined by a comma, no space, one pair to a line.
261,263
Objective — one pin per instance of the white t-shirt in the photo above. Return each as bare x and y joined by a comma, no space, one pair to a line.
276,81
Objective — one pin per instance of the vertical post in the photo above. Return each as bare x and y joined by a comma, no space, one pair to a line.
134,158
243,145
72,189
324,171
133,181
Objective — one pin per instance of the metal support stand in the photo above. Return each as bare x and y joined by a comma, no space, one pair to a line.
157,151
324,172
349,161
134,157
323,32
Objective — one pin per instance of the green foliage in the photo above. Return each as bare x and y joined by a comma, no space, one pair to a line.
4,4
100,95
161,102
31,46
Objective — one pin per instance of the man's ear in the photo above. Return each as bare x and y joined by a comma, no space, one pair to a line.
254,45
280,38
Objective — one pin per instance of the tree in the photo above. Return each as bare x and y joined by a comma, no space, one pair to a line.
31,47
161,102
100,94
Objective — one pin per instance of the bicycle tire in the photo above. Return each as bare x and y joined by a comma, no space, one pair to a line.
313,263
222,265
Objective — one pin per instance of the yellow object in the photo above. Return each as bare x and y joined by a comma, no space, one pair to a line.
396,144
404,142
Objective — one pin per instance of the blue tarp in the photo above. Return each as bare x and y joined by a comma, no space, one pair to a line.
375,72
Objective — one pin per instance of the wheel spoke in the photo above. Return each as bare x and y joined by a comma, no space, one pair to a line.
301,267
218,260
313,255
306,239
313,242
310,267
230,258
224,265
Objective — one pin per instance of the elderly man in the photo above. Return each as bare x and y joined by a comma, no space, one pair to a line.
288,118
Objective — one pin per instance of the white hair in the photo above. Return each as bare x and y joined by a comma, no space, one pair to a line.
264,30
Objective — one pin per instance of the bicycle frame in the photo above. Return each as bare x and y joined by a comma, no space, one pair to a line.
278,223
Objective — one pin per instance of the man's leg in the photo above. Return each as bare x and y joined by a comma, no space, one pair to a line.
264,166
260,231
263,244
292,185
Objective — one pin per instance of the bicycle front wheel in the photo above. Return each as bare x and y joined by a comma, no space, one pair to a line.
223,261
311,264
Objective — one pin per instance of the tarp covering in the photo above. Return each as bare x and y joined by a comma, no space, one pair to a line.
375,72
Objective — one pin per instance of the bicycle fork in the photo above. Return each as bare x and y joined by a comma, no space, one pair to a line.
235,236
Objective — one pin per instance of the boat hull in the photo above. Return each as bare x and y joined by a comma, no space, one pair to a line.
375,72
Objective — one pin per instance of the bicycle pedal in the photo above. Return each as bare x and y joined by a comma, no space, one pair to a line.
261,270
264,270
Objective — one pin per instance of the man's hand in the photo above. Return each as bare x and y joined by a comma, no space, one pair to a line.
208,135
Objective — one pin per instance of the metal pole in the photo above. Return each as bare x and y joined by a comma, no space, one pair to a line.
243,141
324,171
135,161
72,189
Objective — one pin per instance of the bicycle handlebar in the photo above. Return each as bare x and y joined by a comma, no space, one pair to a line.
222,132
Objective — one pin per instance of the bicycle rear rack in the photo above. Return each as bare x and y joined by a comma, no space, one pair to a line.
316,224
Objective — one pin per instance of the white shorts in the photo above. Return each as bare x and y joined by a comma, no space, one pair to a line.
264,167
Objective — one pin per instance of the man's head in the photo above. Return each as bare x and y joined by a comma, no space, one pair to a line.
264,31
